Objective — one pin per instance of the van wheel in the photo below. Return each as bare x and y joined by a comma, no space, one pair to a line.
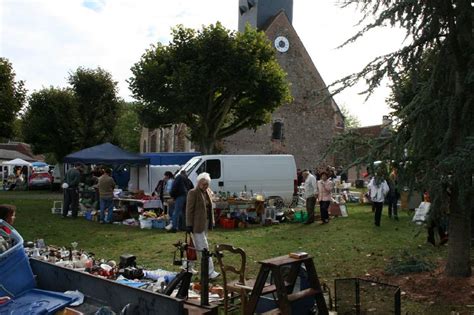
277,202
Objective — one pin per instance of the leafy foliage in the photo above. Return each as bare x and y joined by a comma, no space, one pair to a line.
50,121
128,128
61,121
12,98
433,93
96,95
215,81
406,262
350,120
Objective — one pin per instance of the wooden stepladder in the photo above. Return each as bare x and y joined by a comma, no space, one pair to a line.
284,289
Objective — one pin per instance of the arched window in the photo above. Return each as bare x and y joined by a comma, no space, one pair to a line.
153,143
277,130
162,140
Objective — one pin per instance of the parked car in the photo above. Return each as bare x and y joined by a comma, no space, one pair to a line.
273,175
40,180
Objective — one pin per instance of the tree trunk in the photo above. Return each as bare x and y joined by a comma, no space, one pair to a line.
207,146
459,245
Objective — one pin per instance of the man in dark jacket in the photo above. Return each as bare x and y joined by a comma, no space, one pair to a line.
71,190
179,192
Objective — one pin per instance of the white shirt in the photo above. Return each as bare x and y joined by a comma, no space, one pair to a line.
310,186
378,193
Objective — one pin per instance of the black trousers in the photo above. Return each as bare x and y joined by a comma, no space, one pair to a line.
310,205
378,212
71,200
392,206
324,206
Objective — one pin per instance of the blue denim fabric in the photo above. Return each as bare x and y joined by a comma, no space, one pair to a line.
178,211
106,203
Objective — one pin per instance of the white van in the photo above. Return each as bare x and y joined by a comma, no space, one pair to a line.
273,175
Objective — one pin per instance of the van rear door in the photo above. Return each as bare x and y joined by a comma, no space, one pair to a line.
213,166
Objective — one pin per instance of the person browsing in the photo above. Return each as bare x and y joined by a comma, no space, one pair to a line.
310,194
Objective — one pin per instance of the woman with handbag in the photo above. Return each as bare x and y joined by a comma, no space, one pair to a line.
200,217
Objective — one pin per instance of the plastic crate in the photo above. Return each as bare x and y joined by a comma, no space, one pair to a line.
88,215
301,216
37,302
146,224
57,207
158,224
227,223
16,276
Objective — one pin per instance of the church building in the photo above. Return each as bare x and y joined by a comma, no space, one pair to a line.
306,126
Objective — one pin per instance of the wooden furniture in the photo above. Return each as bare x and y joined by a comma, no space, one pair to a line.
284,289
237,289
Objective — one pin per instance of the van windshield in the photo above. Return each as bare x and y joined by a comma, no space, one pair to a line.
191,165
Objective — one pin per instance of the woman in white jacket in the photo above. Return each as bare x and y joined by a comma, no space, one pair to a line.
378,189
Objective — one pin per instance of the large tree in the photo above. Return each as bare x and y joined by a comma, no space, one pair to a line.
96,95
50,122
61,121
433,104
215,81
12,99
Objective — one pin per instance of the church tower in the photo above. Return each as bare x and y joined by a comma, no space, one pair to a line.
306,126
258,12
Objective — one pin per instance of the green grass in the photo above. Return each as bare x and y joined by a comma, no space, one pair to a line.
347,247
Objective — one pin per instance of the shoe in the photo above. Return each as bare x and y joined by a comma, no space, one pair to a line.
169,227
214,275
325,221
101,222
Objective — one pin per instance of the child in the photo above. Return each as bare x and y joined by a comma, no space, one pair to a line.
7,214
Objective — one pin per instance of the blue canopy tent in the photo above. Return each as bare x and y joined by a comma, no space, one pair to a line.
170,158
108,154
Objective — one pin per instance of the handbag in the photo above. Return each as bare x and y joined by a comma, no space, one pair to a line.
191,254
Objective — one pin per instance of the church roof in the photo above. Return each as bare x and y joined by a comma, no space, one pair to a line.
306,57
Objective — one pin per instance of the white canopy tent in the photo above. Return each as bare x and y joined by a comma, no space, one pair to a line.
9,165
145,180
17,162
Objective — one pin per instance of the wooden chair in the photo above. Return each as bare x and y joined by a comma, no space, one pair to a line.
234,289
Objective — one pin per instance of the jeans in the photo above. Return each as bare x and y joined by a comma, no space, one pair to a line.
178,211
310,204
106,204
378,212
324,206
71,200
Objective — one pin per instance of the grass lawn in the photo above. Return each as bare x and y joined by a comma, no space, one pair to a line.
347,247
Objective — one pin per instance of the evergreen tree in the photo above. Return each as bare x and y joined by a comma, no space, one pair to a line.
433,97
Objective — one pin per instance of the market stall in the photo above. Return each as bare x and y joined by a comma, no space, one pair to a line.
103,154
17,174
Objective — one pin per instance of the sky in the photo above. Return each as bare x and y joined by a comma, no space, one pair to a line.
47,39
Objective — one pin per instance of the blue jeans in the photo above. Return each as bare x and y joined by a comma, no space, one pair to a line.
178,211
106,203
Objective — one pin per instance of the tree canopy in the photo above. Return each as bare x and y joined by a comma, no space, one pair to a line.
215,81
433,93
63,120
12,99
98,105
50,121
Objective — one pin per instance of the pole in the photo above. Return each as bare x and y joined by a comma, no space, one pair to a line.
205,277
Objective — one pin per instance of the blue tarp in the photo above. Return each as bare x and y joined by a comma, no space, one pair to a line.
106,153
170,158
